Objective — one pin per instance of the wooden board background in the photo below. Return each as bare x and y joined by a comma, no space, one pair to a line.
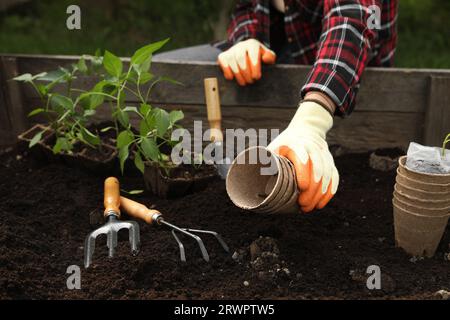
394,106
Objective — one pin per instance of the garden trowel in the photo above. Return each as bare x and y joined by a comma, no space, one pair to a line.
215,123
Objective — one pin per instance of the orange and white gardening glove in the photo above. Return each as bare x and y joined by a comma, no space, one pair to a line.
303,143
243,61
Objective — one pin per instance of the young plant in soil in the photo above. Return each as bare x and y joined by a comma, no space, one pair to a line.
68,116
67,110
444,143
149,146
154,122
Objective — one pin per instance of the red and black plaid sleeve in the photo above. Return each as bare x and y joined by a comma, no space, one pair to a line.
332,35
345,47
245,23
384,49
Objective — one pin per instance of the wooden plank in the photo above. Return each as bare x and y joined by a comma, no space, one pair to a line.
437,119
390,110
361,131
382,89
13,98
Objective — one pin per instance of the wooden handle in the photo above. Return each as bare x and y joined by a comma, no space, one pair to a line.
137,210
213,109
111,199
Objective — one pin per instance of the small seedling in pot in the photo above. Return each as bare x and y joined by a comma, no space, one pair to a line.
155,124
152,143
66,110
69,114
149,145
446,140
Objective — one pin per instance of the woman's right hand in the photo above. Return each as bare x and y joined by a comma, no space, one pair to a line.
243,61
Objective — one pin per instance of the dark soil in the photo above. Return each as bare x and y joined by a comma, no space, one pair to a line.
390,152
100,154
189,172
45,212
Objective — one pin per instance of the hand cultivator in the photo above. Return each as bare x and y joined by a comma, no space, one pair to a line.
113,201
113,225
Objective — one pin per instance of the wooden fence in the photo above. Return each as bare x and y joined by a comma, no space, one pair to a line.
394,106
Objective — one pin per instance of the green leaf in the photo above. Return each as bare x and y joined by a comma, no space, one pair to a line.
124,139
144,129
36,111
123,156
162,122
123,118
122,98
90,137
26,77
81,65
145,66
139,69
43,90
144,53
139,163
55,75
97,60
88,113
97,99
150,149
112,64
84,100
144,109
175,115
106,129
60,100
37,137
170,80
62,144
132,191
130,108
135,191
145,77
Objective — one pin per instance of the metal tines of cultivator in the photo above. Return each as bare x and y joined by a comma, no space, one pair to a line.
113,224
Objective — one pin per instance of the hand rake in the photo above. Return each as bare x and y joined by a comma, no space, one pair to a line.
140,211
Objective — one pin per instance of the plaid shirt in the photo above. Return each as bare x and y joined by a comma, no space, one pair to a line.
332,35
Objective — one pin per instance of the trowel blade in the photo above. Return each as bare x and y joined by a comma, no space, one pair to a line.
223,168
223,165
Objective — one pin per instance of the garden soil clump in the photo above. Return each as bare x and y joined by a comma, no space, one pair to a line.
45,215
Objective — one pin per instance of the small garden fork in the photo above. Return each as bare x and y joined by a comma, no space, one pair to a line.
113,225
140,211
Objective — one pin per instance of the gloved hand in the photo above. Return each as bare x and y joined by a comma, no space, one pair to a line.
303,143
243,61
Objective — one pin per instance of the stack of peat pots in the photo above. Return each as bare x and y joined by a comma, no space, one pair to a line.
421,209
251,185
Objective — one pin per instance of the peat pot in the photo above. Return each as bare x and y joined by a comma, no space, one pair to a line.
421,204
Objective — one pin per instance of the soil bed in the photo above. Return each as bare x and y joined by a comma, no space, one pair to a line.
45,212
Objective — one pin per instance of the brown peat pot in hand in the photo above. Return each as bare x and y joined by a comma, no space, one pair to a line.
262,181
421,209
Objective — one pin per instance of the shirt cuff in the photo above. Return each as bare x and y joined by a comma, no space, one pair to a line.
333,85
